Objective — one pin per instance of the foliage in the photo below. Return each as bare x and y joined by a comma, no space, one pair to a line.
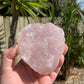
70,16
81,58
24,7
82,16
53,10
69,12
52,13
75,41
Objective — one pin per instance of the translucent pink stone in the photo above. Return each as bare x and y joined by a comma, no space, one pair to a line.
40,46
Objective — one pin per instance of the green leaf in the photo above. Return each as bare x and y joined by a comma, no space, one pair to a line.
41,5
17,6
2,6
82,16
33,15
9,11
41,0
7,3
36,9
24,13
37,0
52,13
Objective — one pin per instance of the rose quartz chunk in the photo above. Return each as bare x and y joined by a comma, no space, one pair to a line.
40,46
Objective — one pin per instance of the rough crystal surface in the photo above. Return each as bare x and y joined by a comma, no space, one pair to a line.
40,46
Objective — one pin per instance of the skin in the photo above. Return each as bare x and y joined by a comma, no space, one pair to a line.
22,73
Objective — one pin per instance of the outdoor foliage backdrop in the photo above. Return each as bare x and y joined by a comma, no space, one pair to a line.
22,22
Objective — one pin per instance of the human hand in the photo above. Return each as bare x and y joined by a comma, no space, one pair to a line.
22,73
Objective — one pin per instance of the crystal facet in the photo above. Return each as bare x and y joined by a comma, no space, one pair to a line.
40,46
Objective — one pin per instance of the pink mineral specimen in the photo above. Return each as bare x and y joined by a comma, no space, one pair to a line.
40,46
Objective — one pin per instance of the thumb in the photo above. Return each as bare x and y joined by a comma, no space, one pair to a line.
8,57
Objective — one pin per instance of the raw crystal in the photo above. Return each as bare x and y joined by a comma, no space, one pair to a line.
40,46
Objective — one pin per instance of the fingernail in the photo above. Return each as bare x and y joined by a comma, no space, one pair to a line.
15,46
13,51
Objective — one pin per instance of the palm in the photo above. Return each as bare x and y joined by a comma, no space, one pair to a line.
24,8
22,73
25,75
